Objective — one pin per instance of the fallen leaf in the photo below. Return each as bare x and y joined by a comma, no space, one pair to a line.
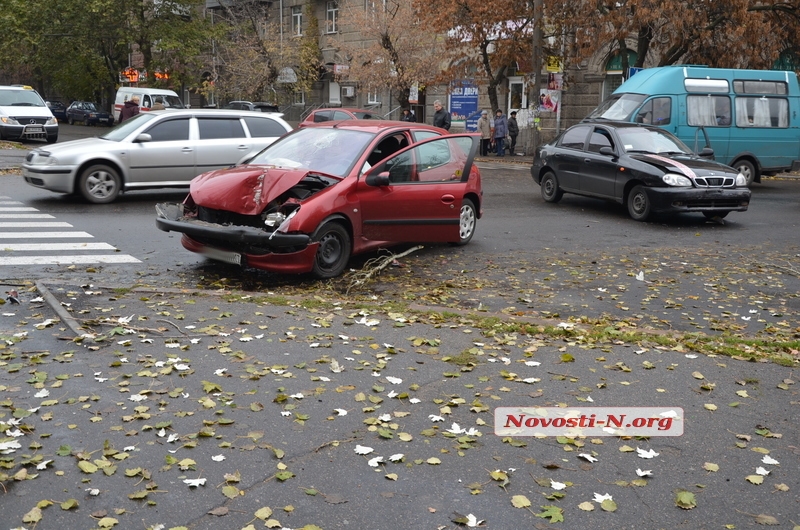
520,501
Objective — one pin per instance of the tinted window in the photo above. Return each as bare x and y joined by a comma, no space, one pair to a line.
574,138
339,115
211,128
170,130
264,127
599,138
323,115
656,111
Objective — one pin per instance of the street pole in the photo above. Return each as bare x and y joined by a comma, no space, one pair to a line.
538,9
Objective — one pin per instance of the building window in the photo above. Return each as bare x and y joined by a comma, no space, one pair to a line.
299,98
297,21
373,98
332,17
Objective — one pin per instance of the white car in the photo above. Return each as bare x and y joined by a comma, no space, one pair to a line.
25,116
157,149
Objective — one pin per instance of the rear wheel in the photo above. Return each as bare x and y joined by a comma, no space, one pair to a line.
467,222
333,251
638,204
99,184
746,168
549,187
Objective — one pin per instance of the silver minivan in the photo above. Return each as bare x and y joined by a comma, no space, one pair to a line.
25,116
157,149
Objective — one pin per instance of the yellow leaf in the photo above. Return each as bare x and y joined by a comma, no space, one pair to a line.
754,479
520,501
586,506
697,375
33,516
708,466
710,406
433,461
742,393
107,522
264,513
392,476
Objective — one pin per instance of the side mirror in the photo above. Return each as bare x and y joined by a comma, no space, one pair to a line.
607,151
707,152
378,179
142,138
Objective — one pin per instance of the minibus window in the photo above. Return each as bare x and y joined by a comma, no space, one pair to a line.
708,111
718,86
759,87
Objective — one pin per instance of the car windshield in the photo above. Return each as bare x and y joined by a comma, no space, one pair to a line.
124,129
641,140
89,106
172,102
331,151
619,107
20,98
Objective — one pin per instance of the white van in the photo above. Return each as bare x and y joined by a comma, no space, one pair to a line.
25,116
147,98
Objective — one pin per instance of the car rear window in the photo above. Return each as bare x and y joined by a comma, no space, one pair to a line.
220,128
264,127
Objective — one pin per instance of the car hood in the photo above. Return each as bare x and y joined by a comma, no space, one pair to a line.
76,147
685,165
243,189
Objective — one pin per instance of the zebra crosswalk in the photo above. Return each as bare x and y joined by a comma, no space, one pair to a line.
20,224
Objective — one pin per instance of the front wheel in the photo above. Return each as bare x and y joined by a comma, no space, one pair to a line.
71,120
638,204
712,215
333,251
467,222
99,184
549,186
747,169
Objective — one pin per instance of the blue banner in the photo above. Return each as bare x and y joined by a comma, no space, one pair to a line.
464,102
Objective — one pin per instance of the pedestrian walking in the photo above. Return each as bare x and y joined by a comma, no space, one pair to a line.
441,118
500,132
485,128
513,132
130,109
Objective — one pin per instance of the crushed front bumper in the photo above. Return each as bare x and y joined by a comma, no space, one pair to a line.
171,218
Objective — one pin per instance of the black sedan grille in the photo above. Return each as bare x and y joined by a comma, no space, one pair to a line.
715,182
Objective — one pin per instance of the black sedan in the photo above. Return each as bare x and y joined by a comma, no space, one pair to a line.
88,113
646,168
58,109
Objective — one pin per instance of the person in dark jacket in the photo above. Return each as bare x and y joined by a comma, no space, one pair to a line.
441,118
513,132
407,116
130,109
500,132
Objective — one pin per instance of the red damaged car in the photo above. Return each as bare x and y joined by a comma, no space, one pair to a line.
325,192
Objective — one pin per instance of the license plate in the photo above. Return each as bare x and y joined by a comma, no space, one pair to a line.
222,255
33,129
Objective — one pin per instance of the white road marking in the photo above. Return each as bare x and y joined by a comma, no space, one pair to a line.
67,260
34,247
31,224
26,216
42,235
18,209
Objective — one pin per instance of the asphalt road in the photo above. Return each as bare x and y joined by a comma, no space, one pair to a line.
240,365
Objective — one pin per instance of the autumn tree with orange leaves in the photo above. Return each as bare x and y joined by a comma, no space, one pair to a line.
394,52
482,39
729,34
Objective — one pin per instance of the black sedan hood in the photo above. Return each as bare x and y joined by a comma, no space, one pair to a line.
689,166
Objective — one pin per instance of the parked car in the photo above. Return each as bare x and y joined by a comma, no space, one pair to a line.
58,109
25,116
87,112
644,167
259,106
323,115
322,193
157,149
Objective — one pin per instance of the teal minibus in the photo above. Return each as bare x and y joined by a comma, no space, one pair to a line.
750,118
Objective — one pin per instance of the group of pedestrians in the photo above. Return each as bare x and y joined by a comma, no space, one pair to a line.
495,133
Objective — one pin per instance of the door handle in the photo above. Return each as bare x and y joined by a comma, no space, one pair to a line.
243,147
187,149
447,199
587,160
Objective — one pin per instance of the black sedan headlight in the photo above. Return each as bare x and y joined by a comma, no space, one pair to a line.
673,179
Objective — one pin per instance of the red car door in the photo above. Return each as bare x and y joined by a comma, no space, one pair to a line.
416,195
